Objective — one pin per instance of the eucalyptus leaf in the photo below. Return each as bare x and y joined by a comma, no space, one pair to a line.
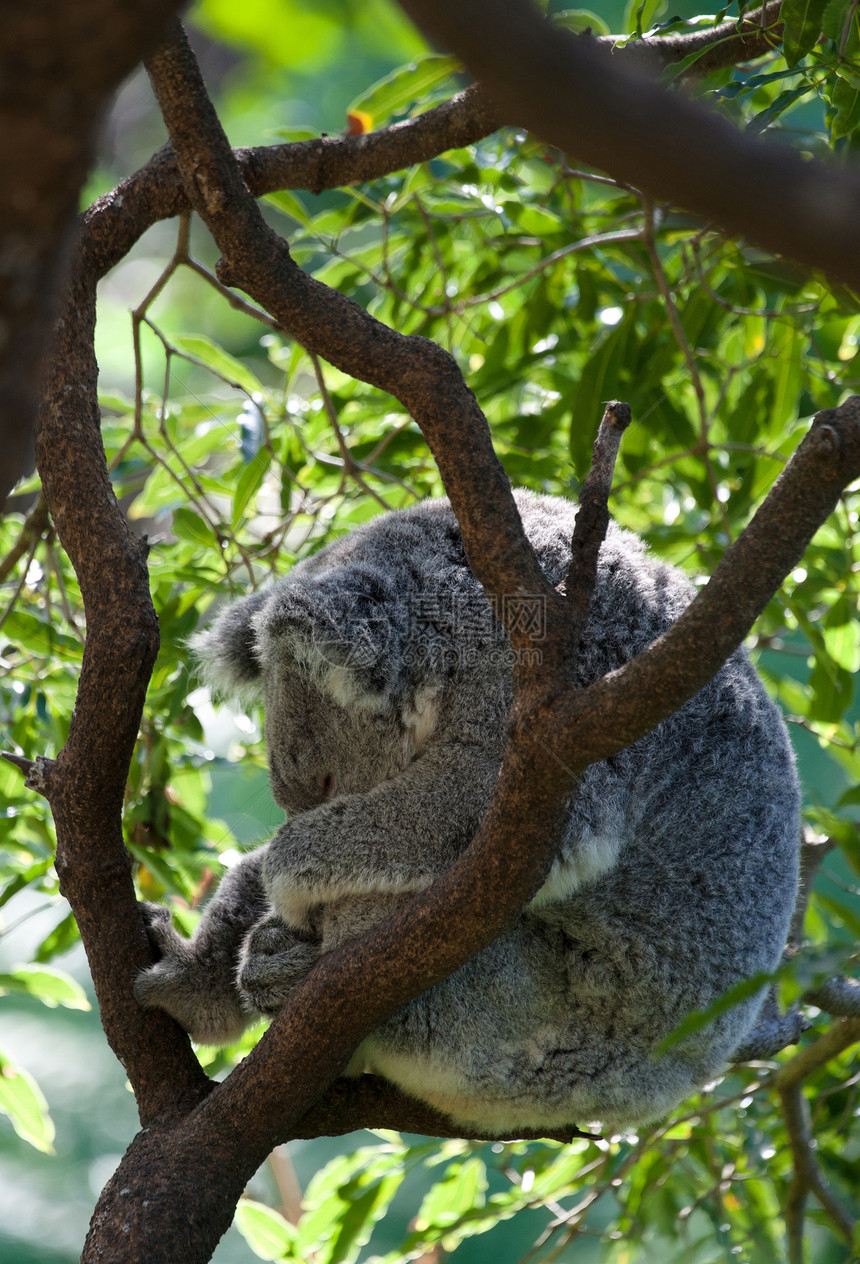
22,1101
396,91
802,19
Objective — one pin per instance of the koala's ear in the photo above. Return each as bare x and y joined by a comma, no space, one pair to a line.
346,628
228,651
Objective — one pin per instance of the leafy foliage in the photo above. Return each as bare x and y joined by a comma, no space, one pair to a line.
237,455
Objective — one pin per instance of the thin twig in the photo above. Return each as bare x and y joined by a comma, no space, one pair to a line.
31,530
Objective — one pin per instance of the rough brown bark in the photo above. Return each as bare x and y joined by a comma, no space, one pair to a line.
58,66
86,784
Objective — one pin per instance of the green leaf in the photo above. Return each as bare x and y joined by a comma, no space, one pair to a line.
267,1233
345,1200
698,1019
802,20
832,690
782,102
21,880
845,98
293,134
40,636
60,939
846,104
22,1100
361,1214
289,204
463,1186
842,910
580,20
53,987
835,17
843,645
249,483
397,91
640,15
599,381
188,525
207,353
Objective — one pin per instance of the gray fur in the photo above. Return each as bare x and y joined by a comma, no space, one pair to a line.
386,682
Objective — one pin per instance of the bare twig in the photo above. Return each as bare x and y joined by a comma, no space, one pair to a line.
25,766
32,530
592,519
839,1037
814,848
838,996
808,1178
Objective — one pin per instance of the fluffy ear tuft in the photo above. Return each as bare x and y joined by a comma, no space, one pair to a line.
228,651
343,628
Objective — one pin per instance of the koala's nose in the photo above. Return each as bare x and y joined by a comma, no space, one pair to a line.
326,785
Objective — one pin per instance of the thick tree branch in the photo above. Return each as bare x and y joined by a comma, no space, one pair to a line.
596,108
57,55
85,785
371,1102
839,997
416,371
58,66
675,666
837,1038
808,1178
759,31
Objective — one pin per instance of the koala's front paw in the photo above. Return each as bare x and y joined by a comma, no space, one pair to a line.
274,962
292,886
188,986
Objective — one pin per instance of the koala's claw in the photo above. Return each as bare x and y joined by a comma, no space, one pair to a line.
183,983
274,961
159,930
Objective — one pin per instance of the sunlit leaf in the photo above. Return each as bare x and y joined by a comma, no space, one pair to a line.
206,352
267,1233
22,1101
53,987
396,91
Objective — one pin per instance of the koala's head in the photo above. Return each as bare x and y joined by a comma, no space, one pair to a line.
328,655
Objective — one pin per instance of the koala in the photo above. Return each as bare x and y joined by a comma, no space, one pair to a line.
386,682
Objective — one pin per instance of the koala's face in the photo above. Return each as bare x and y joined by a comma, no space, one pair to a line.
318,748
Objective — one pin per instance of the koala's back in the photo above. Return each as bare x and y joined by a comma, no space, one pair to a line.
676,876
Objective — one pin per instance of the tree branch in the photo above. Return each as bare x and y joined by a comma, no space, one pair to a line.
59,64
371,1102
117,220
839,997
592,520
85,785
837,1038
813,850
675,666
596,108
